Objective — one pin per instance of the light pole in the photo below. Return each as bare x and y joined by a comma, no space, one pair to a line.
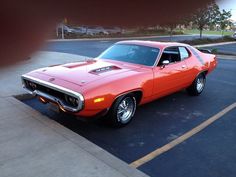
62,31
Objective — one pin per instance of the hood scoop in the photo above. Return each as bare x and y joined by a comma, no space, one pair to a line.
104,69
79,64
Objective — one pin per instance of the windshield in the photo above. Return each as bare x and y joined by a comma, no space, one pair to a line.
131,53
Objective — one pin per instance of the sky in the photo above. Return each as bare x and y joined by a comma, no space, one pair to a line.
228,5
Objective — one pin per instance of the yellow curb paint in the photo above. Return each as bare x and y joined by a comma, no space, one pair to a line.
182,138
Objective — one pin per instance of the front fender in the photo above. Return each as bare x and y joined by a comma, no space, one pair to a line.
101,94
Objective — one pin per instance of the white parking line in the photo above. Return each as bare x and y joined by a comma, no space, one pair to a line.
182,138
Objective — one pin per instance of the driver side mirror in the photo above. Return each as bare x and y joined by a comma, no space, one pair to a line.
164,63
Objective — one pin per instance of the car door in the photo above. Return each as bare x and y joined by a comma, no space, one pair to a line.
171,77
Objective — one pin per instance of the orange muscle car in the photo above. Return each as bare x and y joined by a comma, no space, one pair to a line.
127,74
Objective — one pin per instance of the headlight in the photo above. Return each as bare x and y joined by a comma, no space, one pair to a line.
32,85
71,100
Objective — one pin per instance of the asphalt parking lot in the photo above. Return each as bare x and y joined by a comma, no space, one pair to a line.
210,152
92,48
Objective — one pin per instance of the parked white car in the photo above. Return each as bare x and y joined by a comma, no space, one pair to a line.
71,30
234,35
96,30
114,30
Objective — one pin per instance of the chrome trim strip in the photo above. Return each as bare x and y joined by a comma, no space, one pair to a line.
52,98
158,57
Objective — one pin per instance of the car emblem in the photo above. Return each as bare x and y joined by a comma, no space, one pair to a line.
51,79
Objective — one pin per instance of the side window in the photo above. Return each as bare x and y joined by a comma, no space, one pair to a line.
172,54
183,53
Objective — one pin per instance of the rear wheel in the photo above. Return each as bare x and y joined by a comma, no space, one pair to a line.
198,85
123,110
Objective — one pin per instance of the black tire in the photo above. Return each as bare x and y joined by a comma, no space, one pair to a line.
196,88
115,118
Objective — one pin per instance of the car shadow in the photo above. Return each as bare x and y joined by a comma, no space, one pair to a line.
154,125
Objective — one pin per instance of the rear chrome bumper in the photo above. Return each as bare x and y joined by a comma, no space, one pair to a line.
52,98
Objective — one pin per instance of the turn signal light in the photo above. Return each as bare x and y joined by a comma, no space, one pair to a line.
43,100
97,100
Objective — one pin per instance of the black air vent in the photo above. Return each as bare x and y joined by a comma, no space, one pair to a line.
104,69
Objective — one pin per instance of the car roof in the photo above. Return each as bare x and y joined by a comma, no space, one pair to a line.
154,44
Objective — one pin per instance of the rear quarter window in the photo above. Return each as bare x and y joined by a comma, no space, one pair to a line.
184,53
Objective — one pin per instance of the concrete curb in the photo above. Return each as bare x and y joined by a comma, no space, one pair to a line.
214,44
117,38
227,56
89,147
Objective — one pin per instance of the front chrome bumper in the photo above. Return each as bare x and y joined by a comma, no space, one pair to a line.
52,98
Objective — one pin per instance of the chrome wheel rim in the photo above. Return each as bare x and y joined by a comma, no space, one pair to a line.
200,84
125,109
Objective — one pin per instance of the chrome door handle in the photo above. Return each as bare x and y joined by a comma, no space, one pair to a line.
183,66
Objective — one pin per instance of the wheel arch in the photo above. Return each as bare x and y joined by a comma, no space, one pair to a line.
204,72
138,93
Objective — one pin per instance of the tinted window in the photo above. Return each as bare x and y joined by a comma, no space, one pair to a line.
171,54
131,53
183,53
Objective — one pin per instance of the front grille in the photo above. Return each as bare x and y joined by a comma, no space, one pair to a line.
32,86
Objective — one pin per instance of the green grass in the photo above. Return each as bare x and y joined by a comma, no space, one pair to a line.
134,34
146,32
208,41
195,31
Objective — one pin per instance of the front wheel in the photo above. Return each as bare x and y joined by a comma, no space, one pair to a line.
123,110
197,86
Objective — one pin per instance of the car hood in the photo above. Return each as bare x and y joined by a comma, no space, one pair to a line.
82,73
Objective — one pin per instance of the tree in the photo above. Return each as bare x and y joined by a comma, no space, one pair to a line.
205,16
170,26
224,20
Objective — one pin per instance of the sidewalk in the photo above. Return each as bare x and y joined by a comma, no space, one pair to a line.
32,145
